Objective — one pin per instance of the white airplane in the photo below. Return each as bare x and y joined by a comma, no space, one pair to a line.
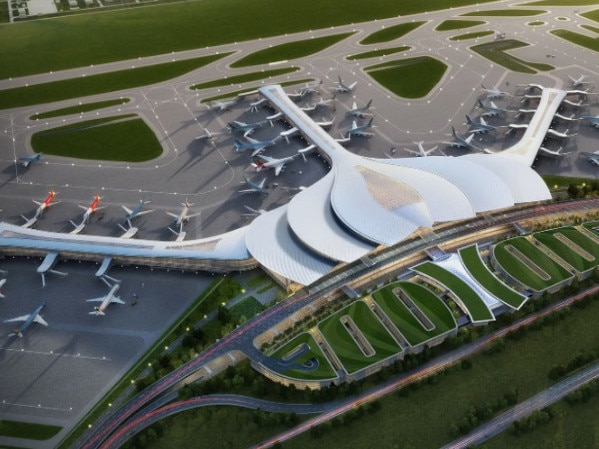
359,131
208,136
553,153
325,103
592,119
106,300
491,109
495,93
257,146
481,126
184,215
28,319
255,187
2,282
135,212
246,128
360,111
592,158
308,89
577,82
288,133
463,142
93,207
42,206
25,161
221,106
344,88
261,162
421,152
308,108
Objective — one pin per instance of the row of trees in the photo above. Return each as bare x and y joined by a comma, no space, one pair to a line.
532,421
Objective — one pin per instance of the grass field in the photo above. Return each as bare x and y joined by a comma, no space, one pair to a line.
425,300
496,52
248,307
452,24
592,43
478,270
570,255
477,309
98,84
390,33
409,78
246,78
124,138
505,13
475,35
290,50
324,370
344,345
79,108
378,53
521,272
81,40
18,429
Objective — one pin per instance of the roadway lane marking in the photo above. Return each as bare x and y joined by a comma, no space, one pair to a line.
58,354
38,406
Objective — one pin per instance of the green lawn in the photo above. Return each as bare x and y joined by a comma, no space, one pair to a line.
477,309
496,52
378,53
425,300
478,270
19,429
290,50
452,24
349,353
467,36
98,84
409,78
324,371
252,88
562,3
246,78
118,138
390,33
505,13
79,108
592,43
579,263
248,307
521,272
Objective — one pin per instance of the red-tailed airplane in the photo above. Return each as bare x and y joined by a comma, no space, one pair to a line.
93,207
2,282
42,206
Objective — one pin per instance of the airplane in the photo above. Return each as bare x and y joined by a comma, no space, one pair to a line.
463,142
553,153
26,160
246,128
576,82
593,120
495,93
421,152
308,108
261,162
358,131
563,135
93,207
360,112
42,206
221,106
184,214
2,282
344,88
180,234
491,109
136,211
296,95
481,126
208,136
322,102
592,158
255,187
106,300
288,133
257,146
28,319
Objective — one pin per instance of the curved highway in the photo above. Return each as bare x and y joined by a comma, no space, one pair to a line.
242,337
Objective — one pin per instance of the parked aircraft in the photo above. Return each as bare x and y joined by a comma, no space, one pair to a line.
308,108
308,89
25,161
360,111
208,135
28,319
344,88
246,128
553,153
184,215
42,206
2,282
359,131
137,211
577,82
592,158
106,300
592,119
421,152
463,142
479,127
261,162
495,93
221,106
93,207
322,102
257,146
491,109
255,187
180,234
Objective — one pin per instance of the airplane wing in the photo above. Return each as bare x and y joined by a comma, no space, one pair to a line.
38,319
129,211
117,300
414,152
19,318
173,214
278,168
